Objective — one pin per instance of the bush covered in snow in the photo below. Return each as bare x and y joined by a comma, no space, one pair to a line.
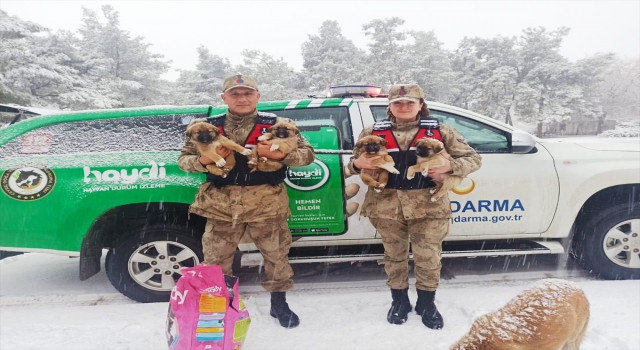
627,128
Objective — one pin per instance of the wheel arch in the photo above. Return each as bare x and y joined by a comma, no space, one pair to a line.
598,201
118,221
607,197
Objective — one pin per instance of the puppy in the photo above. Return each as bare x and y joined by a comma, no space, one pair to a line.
431,153
552,314
372,146
207,138
284,137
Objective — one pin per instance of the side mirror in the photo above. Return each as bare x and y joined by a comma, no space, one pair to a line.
522,142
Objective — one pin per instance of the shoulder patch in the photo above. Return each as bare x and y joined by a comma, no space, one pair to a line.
462,140
267,114
382,125
431,123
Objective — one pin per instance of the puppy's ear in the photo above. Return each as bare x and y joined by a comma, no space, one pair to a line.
438,148
189,133
383,142
359,143
296,131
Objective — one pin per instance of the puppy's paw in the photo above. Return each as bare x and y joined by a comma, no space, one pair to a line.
274,147
263,137
263,159
425,172
377,190
252,162
433,190
246,152
221,163
393,170
410,176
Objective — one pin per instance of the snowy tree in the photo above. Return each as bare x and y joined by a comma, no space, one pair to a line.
485,71
131,70
204,85
276,79
427,64
331,59
385,65
620,90
524,78
555,89
14,41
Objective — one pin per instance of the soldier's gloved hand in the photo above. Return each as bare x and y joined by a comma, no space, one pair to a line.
363,162
264,150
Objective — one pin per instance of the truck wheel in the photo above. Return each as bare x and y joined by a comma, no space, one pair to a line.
145,266
608,243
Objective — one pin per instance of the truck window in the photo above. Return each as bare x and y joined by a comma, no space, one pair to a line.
331,116
483,138
155,133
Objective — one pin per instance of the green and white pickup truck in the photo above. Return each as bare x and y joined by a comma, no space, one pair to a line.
79,182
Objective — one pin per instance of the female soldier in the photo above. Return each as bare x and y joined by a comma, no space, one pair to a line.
403,212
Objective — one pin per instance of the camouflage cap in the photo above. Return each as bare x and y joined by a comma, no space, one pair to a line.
239,80
411,92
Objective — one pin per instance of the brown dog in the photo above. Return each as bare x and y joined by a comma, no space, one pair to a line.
372,146
207,138
284,137
552,315
431,153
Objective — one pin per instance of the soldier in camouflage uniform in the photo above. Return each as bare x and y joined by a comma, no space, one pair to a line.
243,201
403,212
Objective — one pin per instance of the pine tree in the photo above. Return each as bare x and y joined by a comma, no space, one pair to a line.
331,59
131,71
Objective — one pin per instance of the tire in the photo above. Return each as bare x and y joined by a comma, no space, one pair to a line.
608,243
137,265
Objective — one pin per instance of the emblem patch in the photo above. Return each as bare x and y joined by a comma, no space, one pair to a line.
27,183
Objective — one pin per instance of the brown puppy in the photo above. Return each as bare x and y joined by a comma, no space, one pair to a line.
207,138
284,137
372,146
552,314
431,153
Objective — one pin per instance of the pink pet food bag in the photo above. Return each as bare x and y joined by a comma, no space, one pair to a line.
205,311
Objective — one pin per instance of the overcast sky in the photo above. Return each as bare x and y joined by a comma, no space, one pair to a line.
176,28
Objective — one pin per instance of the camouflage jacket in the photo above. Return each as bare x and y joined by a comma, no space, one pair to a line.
242,203
416,204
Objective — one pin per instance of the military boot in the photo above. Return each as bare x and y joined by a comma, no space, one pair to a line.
426,308
280,310
400,306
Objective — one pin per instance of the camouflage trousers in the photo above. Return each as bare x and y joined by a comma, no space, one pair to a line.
425,237
273,239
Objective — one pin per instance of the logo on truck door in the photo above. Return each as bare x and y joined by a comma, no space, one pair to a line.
308,178
27,183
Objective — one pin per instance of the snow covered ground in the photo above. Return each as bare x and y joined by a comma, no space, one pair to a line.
44,306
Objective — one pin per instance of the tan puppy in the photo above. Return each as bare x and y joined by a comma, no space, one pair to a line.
552,315
284,137
431,153
372,146
207,138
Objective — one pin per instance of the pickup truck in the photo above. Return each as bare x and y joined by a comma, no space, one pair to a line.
78,183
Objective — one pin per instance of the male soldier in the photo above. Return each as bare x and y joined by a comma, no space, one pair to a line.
244,200
403,212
